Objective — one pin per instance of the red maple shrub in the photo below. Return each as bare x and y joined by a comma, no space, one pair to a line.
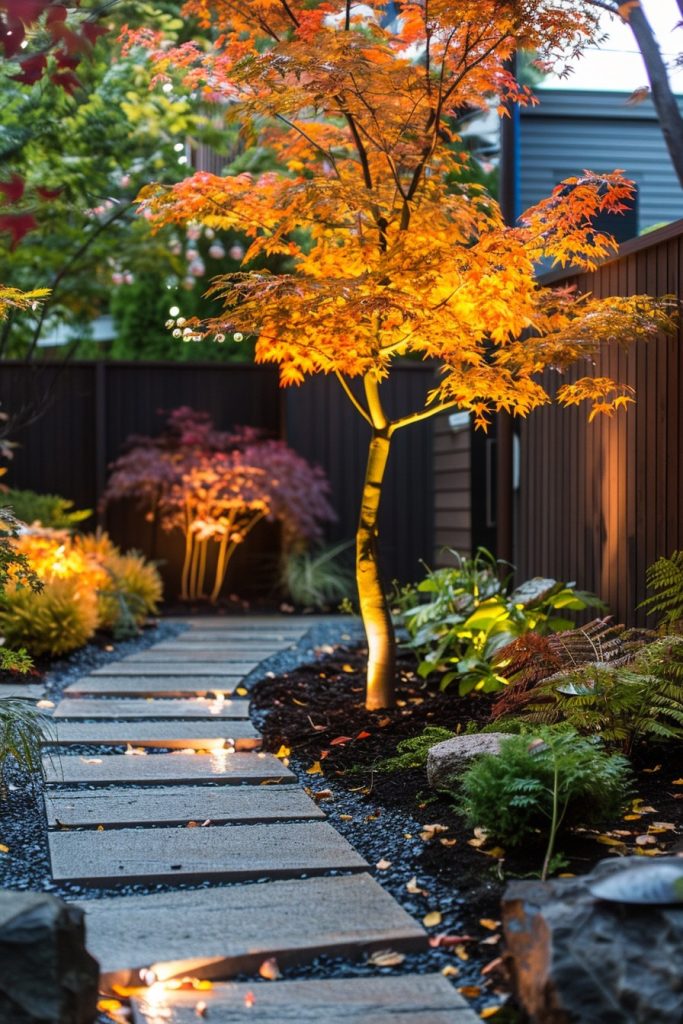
214,487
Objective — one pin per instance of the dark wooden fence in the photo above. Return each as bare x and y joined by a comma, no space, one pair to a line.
600,502
85,411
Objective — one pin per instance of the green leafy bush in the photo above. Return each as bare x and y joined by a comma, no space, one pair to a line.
315,579
620,703
665,578
459,617
59,619
412,753
537,784
15,572
46,509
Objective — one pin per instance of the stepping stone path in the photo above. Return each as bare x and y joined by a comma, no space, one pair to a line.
205,806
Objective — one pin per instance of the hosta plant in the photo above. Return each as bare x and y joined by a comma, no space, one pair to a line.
458,618
537,784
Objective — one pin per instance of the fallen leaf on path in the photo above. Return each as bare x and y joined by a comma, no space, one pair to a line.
413,888
386,958
448,842
241,691
491,941
450,941
489,1011
431,919
346,817
450,971
429,831
269,969
646,840
315,769
492,965
650,771
677,782
383,865
470,991
349,669
283,751
488,922
339,740
322,794
363,735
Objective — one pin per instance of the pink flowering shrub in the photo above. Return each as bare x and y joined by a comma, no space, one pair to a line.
214,487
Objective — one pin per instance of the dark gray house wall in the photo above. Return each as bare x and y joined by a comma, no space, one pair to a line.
571,130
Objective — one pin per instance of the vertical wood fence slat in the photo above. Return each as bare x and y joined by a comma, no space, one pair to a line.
600,502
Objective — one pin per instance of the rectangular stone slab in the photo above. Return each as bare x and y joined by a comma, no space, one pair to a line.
164,769
181,655
220,932
152,686
174,668
136,707
402,999
231,853
172,734
176,805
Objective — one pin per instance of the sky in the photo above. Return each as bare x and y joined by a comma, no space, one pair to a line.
617,65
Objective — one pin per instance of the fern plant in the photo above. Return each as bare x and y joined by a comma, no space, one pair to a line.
620,703
540,783
316,579
532,658
665,578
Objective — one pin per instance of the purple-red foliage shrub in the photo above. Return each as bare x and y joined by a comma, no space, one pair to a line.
214,486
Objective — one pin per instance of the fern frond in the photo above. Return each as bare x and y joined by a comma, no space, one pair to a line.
665,578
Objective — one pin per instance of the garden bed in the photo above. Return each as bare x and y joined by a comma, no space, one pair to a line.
317,712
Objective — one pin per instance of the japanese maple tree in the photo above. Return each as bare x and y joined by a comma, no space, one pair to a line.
214,486
389,255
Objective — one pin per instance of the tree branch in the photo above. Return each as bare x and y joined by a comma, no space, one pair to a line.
352,398
416,417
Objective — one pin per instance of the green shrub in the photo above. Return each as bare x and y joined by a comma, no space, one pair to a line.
15,572
315,579
539,783
665,578
412,753
136,591
458,618
620,703
59,619
46,509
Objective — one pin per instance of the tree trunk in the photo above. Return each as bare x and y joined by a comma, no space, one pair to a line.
669,115
374,607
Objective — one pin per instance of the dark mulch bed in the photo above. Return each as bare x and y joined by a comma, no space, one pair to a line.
317,711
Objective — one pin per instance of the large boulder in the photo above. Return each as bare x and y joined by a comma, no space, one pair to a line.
46,975
576,958
447,760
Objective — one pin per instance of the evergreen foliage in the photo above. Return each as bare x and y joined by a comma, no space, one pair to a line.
412,753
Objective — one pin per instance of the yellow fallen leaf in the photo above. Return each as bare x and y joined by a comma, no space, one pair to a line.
608,841
489,1011
413,888
269,969
100,828
470,991
488,922
450,971
386,958
677,782
349,669
567,874
448,842
431,919
283,751
241,691
346,817
315,769
631,817
461,952
496,851
3,848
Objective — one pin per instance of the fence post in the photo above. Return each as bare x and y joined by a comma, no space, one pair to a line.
100,434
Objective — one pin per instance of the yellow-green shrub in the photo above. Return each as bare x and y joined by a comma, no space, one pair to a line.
59,619
134,592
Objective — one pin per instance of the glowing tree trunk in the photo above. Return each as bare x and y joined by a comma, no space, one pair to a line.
374,607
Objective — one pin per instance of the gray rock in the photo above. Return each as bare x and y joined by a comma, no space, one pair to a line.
577,959
46,975
447,760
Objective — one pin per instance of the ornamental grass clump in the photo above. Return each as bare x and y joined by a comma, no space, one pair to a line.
537,784
214,487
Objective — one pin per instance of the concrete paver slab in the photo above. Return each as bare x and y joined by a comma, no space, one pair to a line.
217,853
165,769
178,805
